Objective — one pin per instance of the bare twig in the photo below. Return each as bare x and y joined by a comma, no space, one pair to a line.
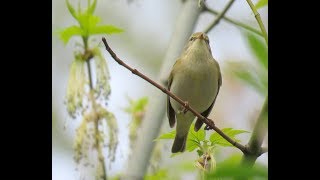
207,121
257,16
237,23
217,20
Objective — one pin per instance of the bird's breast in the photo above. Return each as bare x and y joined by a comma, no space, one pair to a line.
195,82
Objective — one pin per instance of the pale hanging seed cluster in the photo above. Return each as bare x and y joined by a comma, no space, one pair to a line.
76,86
78,97
207,162
103,76
111,127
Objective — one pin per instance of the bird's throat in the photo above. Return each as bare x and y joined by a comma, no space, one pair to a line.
198,51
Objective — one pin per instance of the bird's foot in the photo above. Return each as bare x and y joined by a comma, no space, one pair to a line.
210,125
207,128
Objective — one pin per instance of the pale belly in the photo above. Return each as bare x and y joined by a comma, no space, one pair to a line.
199,88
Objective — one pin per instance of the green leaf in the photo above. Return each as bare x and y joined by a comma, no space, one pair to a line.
137,105
259,48
92,22
192,145
158,175
92,7
193,141
236,171
169,135
249,77
216,139
230,168
105,29
261,3
249,74
71,10
196,136
88,22
200,153
67,33
140,104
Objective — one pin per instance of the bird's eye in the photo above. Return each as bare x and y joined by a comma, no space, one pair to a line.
192,38
207,40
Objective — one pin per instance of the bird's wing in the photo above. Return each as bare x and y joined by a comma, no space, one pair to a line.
199,123
170,111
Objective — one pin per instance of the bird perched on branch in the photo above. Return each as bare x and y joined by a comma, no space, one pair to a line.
196,79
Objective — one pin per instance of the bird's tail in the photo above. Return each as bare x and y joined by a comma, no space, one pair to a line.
184,122
179,144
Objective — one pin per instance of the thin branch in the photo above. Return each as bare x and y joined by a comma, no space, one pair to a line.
237,23
207,121
217,20
257,16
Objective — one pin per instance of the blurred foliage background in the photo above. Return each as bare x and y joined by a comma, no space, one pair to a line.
148,26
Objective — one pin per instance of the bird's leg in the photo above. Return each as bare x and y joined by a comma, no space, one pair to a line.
185,107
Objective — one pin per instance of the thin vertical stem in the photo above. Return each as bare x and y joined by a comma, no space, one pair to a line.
96,118
257,16
89,74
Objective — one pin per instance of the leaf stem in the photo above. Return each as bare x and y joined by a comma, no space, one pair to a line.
257,16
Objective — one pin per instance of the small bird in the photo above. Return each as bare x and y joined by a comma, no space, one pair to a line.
196,79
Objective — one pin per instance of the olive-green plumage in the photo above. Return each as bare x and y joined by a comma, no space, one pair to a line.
195,78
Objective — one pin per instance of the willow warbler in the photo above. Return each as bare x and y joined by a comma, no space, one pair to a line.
196,79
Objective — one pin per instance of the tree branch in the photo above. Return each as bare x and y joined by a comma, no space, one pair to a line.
237,23
217,20
258,134
263,150
207,121
257,16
